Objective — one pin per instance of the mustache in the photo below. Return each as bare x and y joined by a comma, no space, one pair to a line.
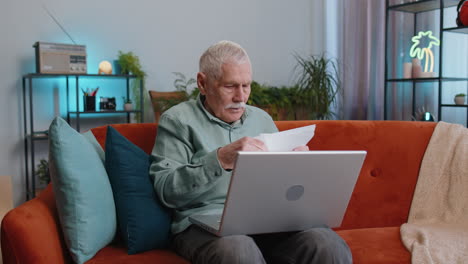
235,105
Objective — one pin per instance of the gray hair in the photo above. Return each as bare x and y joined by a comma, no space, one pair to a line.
222,52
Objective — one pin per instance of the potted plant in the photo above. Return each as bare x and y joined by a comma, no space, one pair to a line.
281,99
128,105
260,97
182,93
129,63
188,86
279,102
460,99
185,90
319,85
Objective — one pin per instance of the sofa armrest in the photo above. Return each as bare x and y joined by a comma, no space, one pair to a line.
31,232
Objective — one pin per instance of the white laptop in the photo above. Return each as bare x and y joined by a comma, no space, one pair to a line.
286,191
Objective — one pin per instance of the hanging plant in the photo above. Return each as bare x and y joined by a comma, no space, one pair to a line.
42,171
130,64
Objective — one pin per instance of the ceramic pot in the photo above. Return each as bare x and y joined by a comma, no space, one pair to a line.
416,69
128,107
459,100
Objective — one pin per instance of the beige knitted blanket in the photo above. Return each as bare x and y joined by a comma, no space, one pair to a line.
437,228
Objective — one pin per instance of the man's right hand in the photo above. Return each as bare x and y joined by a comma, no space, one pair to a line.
227,155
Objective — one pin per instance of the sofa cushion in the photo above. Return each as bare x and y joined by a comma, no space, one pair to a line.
83,192
92,139
141,134
118,255
376,245
143,223
384,190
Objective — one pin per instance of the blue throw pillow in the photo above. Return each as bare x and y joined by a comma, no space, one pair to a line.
143,223
83,193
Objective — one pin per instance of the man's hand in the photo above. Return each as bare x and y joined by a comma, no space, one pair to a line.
227,155
301,148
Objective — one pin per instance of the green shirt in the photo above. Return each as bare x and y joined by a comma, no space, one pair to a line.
185,169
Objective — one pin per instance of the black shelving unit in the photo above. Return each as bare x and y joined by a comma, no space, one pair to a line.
417,9
31,135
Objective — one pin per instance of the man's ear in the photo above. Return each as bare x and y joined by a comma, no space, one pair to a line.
201,82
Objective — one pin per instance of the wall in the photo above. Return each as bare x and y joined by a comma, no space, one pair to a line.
168,36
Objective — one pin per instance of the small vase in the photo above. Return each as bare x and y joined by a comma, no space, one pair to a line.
407,70
459,100
128,107
416,70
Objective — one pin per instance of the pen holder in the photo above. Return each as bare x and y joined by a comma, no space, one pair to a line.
89,103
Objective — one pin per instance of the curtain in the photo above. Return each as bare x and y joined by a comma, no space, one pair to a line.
362,54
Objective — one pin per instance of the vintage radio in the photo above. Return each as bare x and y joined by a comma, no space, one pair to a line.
60,58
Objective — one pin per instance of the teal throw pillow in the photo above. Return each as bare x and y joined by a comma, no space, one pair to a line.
143,223
82,190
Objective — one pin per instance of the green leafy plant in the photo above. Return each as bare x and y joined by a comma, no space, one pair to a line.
182,84
319,85
277,101
189,86
185,90
285,100
259,95
130,64
460,95
282,103
42,171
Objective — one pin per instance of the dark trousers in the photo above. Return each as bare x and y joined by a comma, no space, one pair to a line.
316,245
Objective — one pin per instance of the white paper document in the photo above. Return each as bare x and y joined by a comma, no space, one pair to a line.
289,139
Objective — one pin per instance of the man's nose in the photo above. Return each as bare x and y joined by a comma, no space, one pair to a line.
239,95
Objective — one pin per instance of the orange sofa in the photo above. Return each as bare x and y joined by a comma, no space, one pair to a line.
379,204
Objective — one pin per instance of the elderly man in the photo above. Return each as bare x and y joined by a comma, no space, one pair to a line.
195,151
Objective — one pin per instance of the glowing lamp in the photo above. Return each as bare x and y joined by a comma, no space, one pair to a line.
105,67
427,117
